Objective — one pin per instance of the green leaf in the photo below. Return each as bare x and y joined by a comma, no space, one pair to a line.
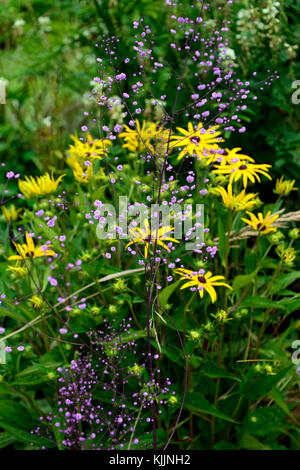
251,443
250,262
257,386
261,302
214,372
285,280
222,240
276,395
166,293
243,280
264,421
224,445
198,404
6,439
23,435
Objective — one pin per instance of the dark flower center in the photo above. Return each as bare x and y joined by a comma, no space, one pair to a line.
195,139
243,167
202,279
261,227
30,254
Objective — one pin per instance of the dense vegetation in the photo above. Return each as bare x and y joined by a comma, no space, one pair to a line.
137,342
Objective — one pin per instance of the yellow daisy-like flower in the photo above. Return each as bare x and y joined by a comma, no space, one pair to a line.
90,149
288,255
260,223
83,173
283,188
202,281
36,302
198,141
18,271
148,237
11,214
29,251
161,139
232,156
137,139
39,186
243,169
227,157
239,202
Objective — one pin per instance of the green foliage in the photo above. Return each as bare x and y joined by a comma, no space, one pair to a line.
242,388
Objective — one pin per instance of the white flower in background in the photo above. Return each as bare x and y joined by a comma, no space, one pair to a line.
116,111
228,56
3,86
44,22
47,121
19,23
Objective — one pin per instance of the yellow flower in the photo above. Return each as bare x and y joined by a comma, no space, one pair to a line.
147,237
83,173
231,156
41,185
244,170
201,281
288,255
262,224
11,214
222,316
283,188
92,148
162,140
138,139
198,141
36,302
18,271
28,250
239,202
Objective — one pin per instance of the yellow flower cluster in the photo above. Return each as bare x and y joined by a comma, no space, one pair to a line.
11,214
81,155
149,136
40,186
29,251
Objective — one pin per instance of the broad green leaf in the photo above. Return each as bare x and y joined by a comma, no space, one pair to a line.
166,293
23,435
198,404
6,439
276,395
262,303
264,421
284,280
251,443
214,372
257,386
243,280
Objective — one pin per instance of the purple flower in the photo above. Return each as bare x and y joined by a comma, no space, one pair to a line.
52,281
